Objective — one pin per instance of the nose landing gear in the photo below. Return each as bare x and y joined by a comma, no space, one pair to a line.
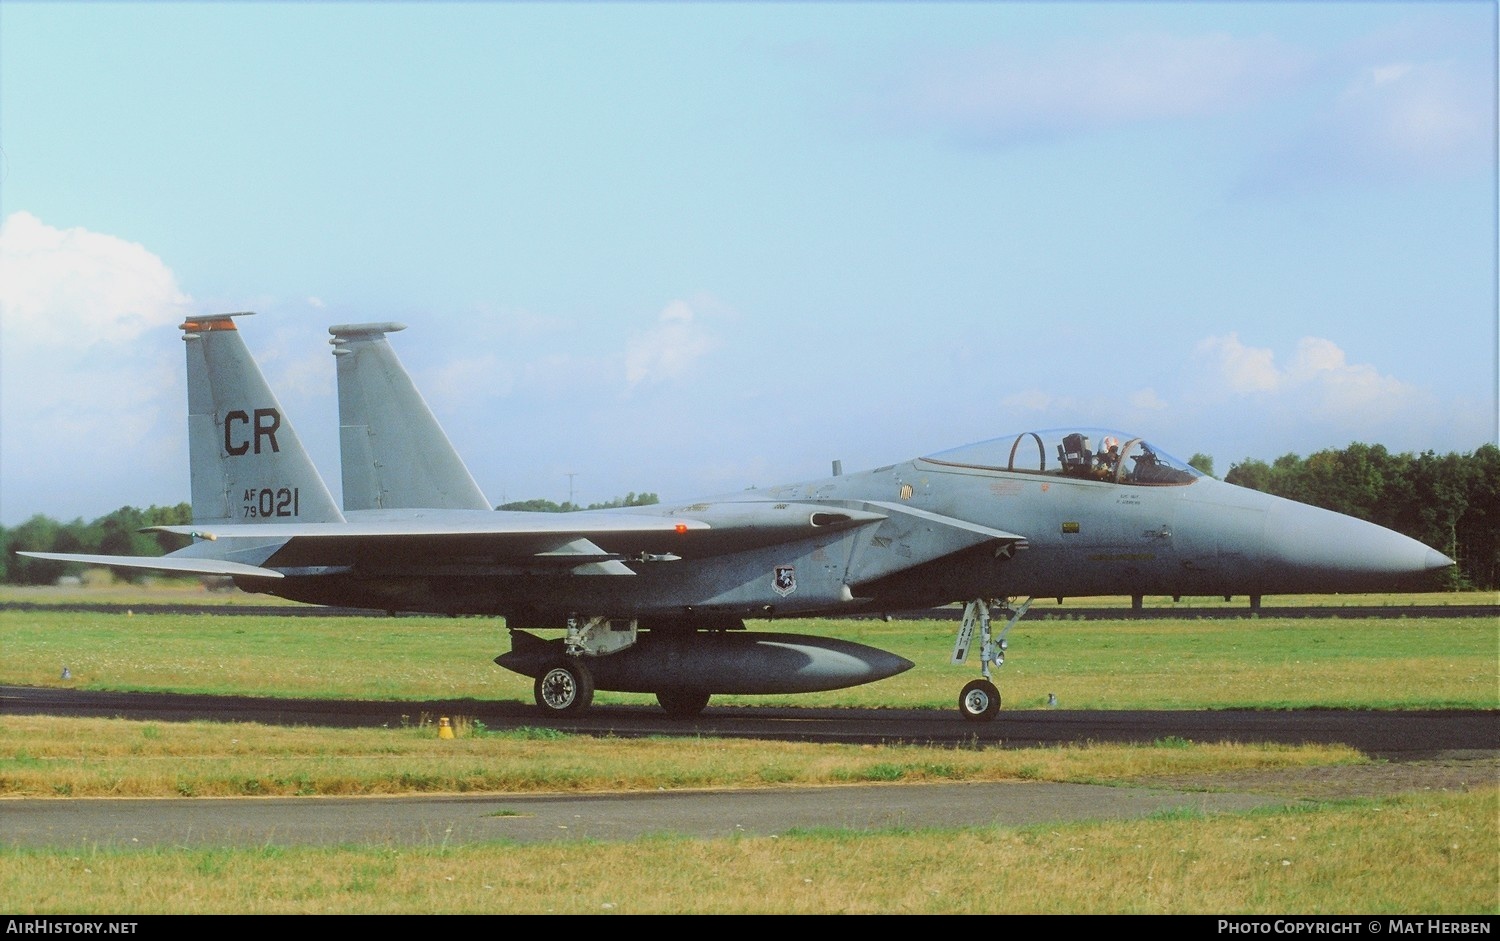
980,699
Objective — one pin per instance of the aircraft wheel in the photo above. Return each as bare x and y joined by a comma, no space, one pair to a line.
682,703
980,701
564,687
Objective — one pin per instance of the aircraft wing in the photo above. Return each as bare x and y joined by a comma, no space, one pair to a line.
532,540
162,563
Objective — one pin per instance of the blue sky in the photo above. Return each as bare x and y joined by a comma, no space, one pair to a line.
691,248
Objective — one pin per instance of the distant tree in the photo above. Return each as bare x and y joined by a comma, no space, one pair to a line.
630,499
1203,463
179,515
547,506
38,534
1250,473
1477,532
537,506
120,534
117,533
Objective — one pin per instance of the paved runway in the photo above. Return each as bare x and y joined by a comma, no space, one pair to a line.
452,820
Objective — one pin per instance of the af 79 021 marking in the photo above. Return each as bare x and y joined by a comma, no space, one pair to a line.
265,502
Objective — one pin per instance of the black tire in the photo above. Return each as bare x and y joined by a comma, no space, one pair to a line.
682,703
980,701
565,687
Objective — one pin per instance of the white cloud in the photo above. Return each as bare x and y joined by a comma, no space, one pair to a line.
1410,116
1240,400
508,325
1241,369
90,383
670,348
458,380
1028,402
1146,400
1318,395
1002,94
1342,390
1395,120
73,286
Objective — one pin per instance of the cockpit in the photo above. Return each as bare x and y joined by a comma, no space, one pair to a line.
1082,453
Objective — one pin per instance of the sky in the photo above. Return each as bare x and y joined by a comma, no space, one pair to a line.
692,248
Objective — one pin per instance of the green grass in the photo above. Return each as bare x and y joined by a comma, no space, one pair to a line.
1430,854
44,756
1267,663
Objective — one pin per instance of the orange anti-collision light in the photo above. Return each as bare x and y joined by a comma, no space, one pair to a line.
220,322
681,527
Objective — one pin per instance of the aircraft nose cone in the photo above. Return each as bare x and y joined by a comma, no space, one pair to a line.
1334,552
1436,560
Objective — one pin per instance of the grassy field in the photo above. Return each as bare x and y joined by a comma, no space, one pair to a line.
1325,857
1249,662
1425,854
56,757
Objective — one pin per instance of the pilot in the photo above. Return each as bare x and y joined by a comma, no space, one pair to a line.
1108,458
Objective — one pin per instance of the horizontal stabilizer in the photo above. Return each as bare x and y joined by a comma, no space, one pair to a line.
162,563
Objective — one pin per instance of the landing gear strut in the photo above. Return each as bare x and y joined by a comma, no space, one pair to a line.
980,699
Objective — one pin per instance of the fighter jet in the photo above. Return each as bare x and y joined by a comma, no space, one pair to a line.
655,599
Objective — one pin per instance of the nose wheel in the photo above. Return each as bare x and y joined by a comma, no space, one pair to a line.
980,699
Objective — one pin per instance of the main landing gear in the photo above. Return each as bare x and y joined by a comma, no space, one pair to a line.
566,685
980,699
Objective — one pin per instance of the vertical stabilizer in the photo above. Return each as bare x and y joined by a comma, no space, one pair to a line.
248,465
394,453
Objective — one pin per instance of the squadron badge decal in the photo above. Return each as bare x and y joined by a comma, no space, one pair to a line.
785,580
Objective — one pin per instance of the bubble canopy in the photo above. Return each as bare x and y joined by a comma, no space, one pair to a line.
1083,453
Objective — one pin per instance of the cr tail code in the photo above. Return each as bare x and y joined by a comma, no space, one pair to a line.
241,432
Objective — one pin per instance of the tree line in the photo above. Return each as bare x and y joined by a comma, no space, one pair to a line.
1451,502
568,506
115,534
